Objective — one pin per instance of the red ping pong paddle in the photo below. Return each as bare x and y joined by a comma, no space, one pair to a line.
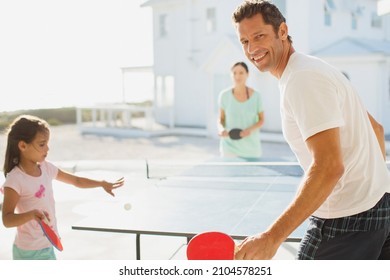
235,133
50,234
211,246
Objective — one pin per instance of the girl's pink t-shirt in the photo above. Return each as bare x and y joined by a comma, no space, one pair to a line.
35,193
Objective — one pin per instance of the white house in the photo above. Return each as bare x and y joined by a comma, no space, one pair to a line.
195,45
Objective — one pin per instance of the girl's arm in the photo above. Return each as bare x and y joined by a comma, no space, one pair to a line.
86,183
12,219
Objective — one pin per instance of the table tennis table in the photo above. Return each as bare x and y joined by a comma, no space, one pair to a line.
237,198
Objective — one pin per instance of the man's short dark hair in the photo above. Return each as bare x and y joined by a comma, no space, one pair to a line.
269,12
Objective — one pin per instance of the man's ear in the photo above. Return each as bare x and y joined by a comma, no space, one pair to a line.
283,31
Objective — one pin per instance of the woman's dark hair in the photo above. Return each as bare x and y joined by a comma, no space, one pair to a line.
269,12
240,63
23,128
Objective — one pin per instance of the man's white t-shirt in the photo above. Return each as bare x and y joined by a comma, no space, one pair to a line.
315,97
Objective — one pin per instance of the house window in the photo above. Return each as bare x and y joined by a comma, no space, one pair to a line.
354,21
376,21
165,91
211,20
163,28
327,17
329,7
330,4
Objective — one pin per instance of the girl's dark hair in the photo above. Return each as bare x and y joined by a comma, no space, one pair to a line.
243,64
269,12
23,128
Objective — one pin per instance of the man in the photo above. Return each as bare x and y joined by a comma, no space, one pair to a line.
345,190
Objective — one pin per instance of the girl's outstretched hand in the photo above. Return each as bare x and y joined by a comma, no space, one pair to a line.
109,187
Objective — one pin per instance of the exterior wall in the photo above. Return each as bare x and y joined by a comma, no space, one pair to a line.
200,61
181,54
370,76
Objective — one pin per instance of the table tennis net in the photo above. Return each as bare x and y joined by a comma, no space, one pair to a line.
164,169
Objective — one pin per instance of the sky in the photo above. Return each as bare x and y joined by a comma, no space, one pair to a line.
57,53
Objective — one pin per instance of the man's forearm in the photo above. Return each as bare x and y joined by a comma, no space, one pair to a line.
316,186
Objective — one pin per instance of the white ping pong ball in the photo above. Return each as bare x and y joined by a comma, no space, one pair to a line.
127,206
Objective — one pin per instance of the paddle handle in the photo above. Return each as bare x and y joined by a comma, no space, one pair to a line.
45,219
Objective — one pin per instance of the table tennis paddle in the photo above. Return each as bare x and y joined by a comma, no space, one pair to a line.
211,246
235,133
50,234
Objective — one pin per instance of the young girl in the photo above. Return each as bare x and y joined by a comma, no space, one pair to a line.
28,193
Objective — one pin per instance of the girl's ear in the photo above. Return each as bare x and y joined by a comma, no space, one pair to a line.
22,145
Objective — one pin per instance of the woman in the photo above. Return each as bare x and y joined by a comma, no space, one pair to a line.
240,107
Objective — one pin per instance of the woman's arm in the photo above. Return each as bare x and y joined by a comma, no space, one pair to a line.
255,126
221,124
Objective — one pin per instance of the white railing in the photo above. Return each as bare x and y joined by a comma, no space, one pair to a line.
114,115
